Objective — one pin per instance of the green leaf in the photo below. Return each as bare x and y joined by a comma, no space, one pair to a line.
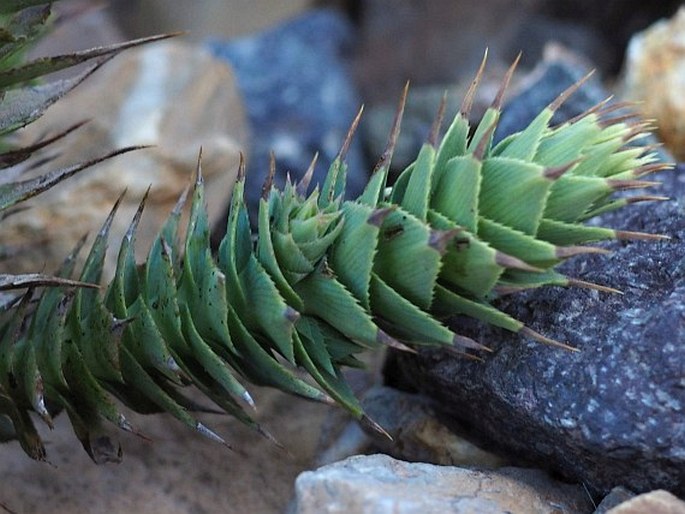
416,198
14,192
352,256
405,259
328,299
406,319
456,195
513,193
45,65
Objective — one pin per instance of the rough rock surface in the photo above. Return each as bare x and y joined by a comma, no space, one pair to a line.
654,75
170,95
610,414
299,97
379,484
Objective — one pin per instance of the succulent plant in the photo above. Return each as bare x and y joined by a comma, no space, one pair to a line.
322,280
23,99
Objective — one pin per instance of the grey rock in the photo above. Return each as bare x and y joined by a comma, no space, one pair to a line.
611,414
615,497
418,435
352,440
379,484
537,30
298,96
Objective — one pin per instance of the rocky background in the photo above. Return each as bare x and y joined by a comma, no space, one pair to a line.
532,429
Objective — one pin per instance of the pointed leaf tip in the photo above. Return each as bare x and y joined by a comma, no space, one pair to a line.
439,239
210,434
564,95
137,216
350,134
563,252
482,147
434,134
198,169
529,332
620,185
467,342
651,168
555,172
269,181
378,215
384,162
647,198
573,282
367,421
241,167
303,184
291,314
390,341
508,261
499,98
247,398
467,103
641,236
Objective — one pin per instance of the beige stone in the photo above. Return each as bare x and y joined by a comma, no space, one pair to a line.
170,95
654,502
655,76
378,484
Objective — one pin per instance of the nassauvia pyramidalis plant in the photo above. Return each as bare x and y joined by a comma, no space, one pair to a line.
323,278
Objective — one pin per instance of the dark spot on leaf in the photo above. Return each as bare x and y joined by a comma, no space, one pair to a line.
461,243
393,232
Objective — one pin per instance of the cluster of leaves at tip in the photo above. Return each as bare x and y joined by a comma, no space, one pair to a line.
24,97
322,280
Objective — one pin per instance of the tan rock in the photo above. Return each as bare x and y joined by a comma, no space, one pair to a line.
654,502
378,484
170,95
228,18
655,76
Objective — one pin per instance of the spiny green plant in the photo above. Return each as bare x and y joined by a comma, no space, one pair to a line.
323,278
23,99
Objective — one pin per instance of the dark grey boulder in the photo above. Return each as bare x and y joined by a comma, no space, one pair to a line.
612,414
299,97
